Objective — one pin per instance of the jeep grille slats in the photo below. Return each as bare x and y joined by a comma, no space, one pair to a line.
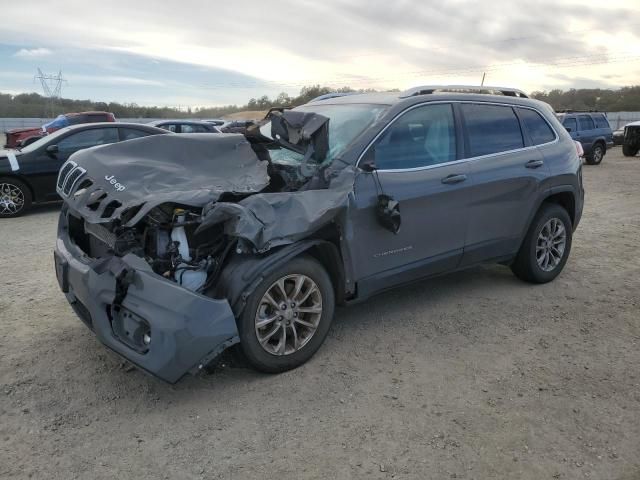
72,178
64,171
69,174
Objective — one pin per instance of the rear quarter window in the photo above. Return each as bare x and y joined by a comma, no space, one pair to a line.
491,129
601,121
537,127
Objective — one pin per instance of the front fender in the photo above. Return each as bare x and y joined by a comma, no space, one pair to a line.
244,273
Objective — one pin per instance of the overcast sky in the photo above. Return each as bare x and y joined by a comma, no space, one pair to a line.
201,53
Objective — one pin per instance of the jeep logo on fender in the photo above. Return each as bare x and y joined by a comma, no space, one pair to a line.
112,180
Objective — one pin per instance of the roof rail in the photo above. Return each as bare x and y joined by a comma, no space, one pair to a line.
326,96
429,89
571,110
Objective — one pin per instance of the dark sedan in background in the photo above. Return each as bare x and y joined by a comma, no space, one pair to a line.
186,126
29,175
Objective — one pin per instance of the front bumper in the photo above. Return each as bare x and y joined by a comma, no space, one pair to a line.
187,330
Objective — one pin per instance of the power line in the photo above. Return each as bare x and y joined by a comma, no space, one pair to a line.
52,88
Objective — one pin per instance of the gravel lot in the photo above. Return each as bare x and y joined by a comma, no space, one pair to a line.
471,376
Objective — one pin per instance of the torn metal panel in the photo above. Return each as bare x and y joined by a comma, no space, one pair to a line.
190,169
268,220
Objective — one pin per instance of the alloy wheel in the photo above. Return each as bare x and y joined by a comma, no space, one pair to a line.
551,244
597,154
11,199
288,314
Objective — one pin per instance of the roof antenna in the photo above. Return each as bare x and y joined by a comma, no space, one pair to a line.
482,82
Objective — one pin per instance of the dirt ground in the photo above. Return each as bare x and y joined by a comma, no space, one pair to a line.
471,376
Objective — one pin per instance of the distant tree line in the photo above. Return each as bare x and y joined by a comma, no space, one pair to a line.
626,99
35,105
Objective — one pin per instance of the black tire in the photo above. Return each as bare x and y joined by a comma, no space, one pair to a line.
526,266
259,357
629,151
12,189
597,154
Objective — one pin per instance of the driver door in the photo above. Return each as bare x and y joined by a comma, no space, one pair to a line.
418,164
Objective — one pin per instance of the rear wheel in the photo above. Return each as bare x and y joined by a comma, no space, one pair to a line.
546,246
15,198
629,151
596,155
288,316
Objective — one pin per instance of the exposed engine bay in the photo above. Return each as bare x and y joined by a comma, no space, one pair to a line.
185,203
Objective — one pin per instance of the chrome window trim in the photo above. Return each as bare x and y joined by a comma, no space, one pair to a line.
462,160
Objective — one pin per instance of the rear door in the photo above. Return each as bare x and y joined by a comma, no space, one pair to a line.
418,163
507,171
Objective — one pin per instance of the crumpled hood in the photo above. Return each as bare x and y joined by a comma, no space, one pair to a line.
189,169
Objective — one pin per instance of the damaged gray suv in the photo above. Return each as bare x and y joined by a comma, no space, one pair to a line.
172,248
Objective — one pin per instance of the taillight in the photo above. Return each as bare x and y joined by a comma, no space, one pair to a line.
579,149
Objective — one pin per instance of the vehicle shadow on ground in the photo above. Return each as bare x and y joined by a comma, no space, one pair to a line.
421,295
231,370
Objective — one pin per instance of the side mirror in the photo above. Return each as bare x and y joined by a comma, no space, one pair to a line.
52,150
568,129
368,162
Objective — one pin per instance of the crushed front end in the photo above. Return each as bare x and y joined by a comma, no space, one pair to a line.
156,324
148,226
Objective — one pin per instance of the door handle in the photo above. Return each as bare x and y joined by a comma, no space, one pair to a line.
534,163
454,178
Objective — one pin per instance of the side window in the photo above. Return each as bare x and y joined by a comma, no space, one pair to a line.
97,117
87,138
570,124
539,130
491,129
585,122
172,127
601,121
129,133
421,137
77,119
190,128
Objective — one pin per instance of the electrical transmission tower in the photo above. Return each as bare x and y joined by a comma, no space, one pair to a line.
52,88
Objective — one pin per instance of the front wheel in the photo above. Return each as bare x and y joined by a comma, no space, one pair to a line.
288,316
629,151
15,198
596,155
546,246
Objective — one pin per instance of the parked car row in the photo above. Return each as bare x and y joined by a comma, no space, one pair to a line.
28,175
186,126
21,137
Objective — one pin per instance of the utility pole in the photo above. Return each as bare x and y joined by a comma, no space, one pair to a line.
482,82
52,88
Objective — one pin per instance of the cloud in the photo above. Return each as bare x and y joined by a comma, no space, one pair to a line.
359,43
32,53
